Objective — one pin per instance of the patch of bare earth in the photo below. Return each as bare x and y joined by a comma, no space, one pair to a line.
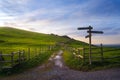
56,70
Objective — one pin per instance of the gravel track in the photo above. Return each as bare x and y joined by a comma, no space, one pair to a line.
56,70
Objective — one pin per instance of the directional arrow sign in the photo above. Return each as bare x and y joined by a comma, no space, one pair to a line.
87,36
99,32
84,28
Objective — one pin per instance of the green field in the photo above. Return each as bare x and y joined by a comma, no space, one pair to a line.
111,59
13,40
10,37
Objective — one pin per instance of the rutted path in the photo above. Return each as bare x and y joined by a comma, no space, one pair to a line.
56,70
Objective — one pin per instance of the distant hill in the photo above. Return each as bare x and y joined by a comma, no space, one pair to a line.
12,37
65,36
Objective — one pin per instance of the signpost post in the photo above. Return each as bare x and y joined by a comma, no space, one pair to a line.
89,36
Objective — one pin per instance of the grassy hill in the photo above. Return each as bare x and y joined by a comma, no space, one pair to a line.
13,40
11,37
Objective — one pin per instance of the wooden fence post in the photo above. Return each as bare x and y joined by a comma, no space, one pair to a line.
45,48
79,51
19,53
12,59
23,55
35,52
28,53
49,48
101,52
1,57
41,50
83,55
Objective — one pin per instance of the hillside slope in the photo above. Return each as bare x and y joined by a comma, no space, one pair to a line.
11,37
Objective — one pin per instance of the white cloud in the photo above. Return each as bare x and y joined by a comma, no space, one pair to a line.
14,7
62,20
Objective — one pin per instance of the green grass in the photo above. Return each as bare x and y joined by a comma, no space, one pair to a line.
10,37
97,64
12,40
33,62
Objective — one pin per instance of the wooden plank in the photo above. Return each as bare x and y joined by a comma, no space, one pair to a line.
96,61
84,28
5,61
87,36
6,67
97,57
95,52
94,48
86,52
6,54
111,50
80,48
112,57
98,32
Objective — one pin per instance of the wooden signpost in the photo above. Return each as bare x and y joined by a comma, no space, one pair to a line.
97,32
89,36
84,28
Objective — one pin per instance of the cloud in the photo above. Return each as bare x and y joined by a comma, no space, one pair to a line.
62,17
14,7
106,8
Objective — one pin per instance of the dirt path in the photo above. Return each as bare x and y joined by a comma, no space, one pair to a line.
56,70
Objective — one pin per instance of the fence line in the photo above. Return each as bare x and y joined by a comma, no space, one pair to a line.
21,55
82,53
14,59
112,50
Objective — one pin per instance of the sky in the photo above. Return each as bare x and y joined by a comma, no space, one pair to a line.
63,17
